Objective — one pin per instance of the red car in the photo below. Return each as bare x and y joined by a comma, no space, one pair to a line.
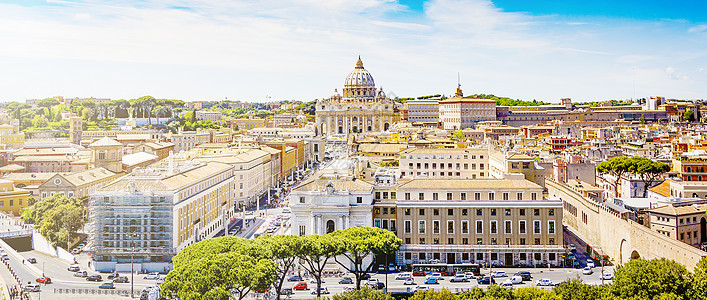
300,286
45,280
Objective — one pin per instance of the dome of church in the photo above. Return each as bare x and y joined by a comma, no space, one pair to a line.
359,76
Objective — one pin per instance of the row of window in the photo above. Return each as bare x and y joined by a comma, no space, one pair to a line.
465,156
480,241
477,196
479,256
450,166
493,227
479,211
12,202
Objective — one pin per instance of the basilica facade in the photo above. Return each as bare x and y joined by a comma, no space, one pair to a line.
359,108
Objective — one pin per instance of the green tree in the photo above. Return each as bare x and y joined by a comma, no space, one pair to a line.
315,252
648,170
574,289
534,293
646,279
365,293
285,250
216,268
688,116
48,103
617,167
39,122
359,243
458,134
698,290
443,294
159,111
57,217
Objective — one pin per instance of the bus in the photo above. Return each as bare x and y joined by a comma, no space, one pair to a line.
463,268
424,269
598,255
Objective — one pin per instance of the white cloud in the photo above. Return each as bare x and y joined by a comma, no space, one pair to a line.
670,71
303,48
701,70
698,28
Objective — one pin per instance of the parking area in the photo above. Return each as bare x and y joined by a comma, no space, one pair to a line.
555,275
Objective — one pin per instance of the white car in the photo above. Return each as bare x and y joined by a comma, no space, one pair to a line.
437,276
402,276
32,287
516,279
607,276
153,275
409,281
508,284
590,263
587,271
422,289
469,275
286,210
544,282
499,274
323,291
372,281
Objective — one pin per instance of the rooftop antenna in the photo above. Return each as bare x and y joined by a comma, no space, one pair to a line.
459,81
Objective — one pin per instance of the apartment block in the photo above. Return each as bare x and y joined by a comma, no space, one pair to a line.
155,212
444,163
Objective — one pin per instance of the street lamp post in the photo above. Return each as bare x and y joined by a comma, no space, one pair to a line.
132,260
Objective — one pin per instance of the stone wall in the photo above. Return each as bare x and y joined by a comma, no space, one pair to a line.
619,238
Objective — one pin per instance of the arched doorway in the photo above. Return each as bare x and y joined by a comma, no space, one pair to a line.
330,227
385,127
703,230
635,255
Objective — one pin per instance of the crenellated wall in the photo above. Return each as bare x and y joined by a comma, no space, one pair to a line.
621,239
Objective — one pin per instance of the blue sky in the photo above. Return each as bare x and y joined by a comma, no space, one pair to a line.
303,49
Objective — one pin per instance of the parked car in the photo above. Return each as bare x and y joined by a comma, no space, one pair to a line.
160,280
590,263
573,248
392,267
409,281
73,268
113,275
32,287
286,291
153,275
314,280
94,278
587,271
323,291
365,276
438,276
486,280
372,280
32,260
469,275
346,280
498,274
508,284
302,285
459,278
286,210
81,274
516,279
381,268
544,282
377,286
607,276
422,288
431,280
106,285
525,275
121,279
44,279
294,278
402,276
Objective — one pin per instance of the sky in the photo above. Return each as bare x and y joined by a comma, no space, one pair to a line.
268,50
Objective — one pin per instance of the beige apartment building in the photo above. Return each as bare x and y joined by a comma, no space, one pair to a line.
684,221
444,163
461,112
505,222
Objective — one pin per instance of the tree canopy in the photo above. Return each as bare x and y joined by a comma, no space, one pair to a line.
57,217
359,243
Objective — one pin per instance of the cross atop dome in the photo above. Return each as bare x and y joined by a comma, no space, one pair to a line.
359,63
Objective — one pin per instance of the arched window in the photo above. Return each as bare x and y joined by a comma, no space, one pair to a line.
330,226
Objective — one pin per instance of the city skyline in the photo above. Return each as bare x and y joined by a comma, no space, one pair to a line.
211,50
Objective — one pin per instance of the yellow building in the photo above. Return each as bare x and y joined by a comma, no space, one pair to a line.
11,137
247,124
12,199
